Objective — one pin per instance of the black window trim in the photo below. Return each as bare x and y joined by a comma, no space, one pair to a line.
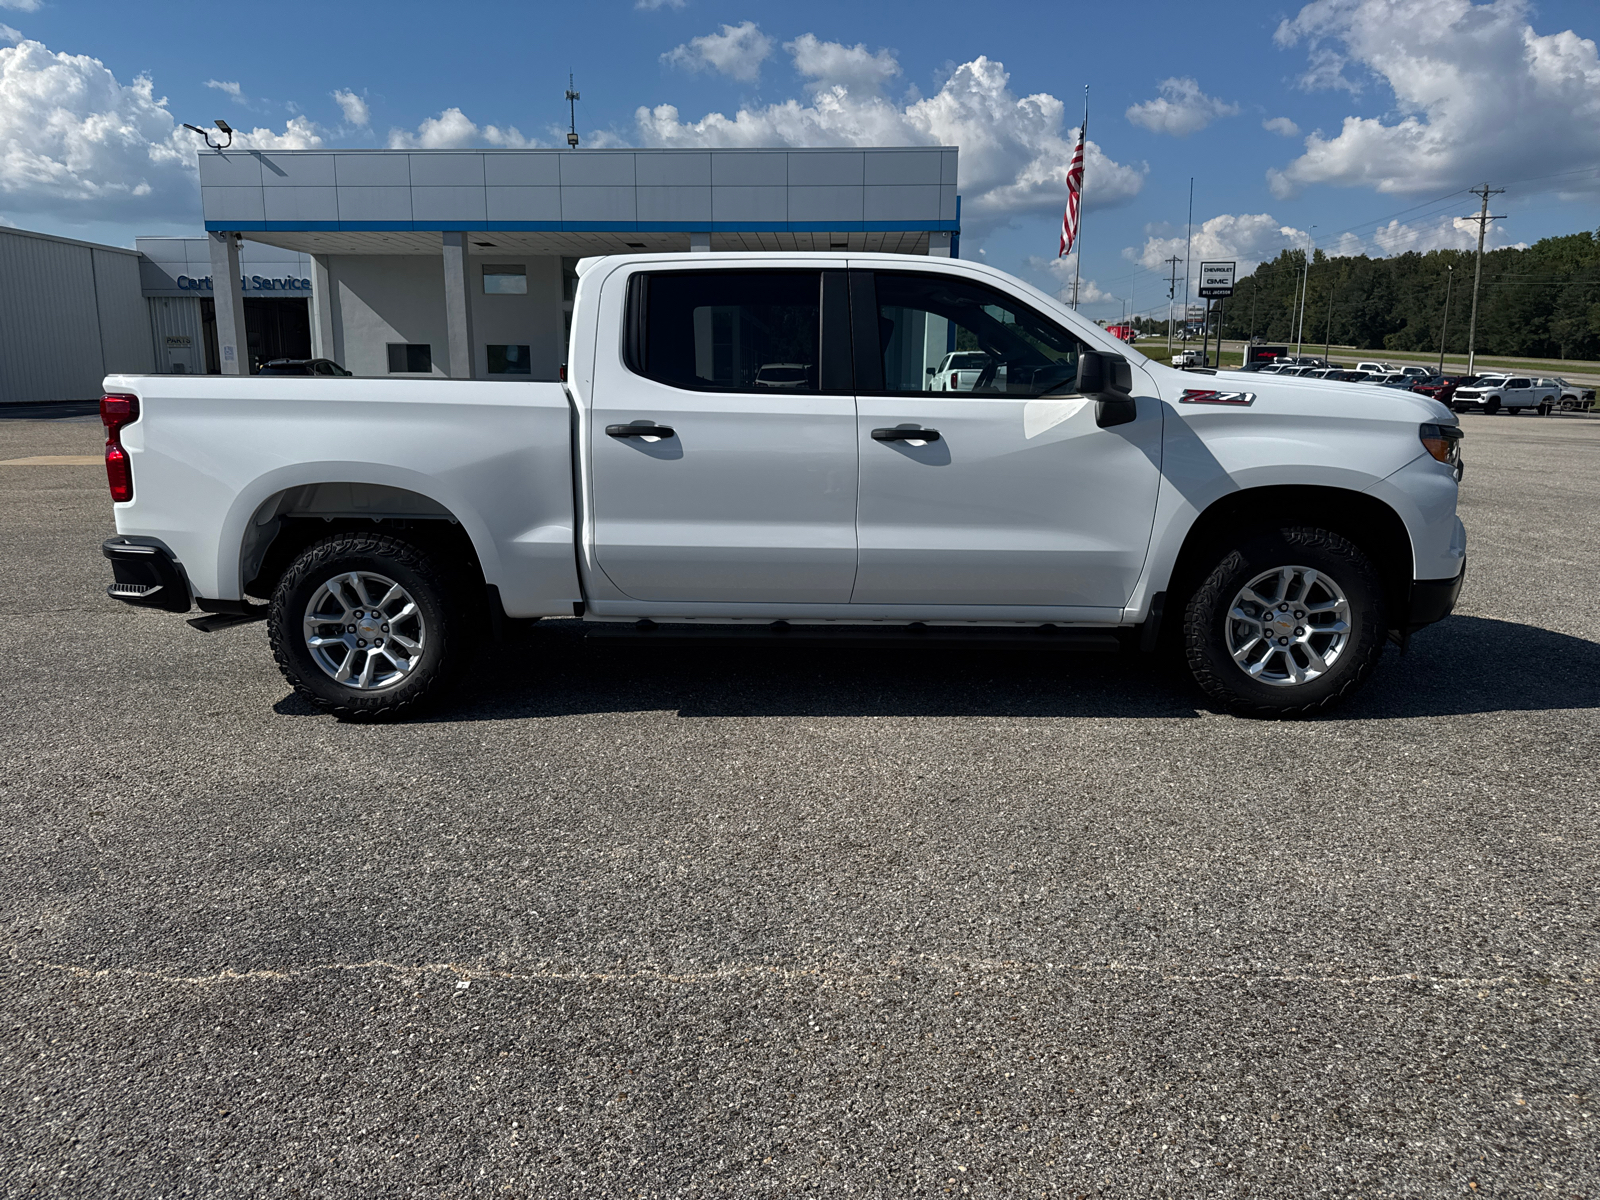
834,352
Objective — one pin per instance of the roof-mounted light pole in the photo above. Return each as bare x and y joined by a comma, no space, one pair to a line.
572,114
220,124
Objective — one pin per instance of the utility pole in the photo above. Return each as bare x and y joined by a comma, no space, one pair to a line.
1172,289
1483,219
572,113
1444,322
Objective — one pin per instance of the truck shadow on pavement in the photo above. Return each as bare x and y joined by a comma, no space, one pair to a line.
1462,666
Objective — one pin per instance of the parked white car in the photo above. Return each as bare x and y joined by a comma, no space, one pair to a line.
783,375
1510,392
1570,397
1375,368
1280,535
960,370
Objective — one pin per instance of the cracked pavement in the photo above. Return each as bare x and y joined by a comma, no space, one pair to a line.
667,921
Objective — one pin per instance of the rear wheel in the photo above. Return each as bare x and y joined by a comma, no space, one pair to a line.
364,626
1287,624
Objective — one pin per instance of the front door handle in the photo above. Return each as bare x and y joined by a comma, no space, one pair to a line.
639,429
905,435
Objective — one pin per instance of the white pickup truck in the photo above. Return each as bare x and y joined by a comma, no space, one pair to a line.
1279,535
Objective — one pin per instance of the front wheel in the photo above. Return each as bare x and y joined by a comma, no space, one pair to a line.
1287,624
1492,406
364,626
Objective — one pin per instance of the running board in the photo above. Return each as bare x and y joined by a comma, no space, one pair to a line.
1055,637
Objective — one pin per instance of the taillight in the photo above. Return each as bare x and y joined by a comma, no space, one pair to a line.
115,412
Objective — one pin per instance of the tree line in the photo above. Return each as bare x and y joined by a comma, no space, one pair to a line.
1538,302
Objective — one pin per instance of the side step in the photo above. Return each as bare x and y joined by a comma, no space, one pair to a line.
1054,637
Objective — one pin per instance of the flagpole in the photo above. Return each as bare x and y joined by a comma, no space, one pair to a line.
1083,136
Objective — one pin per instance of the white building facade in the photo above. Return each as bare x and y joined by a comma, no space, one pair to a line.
461,263
451,263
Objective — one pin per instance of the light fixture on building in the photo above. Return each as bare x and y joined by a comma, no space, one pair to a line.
220,124
572,113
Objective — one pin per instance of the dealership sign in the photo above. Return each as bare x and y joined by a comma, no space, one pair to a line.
247,284
1216,280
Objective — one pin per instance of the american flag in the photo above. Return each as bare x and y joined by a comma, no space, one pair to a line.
1069,218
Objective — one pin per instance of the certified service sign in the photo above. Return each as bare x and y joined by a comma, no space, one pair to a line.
1216,280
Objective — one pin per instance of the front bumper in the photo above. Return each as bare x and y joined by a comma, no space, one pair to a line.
1433,599
146,574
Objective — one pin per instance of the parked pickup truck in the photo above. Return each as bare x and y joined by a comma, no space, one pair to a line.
1277,535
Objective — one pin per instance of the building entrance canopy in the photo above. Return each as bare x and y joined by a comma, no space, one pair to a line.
349,211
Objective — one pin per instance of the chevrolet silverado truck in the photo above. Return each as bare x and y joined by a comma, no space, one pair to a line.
1279,531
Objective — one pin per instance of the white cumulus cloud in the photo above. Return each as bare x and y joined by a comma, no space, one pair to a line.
22,5
1281,126
1246,239
1014,149
454,130
356,113
737,52
1478,95
8,34
1181,109
832,64
231,89
76,142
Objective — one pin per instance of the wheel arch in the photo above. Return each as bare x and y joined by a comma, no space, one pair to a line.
292,518
1365,520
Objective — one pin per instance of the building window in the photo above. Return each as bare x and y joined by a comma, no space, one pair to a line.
508,360
410,359
569,278
505,279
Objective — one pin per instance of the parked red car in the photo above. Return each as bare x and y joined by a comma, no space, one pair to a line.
1443,387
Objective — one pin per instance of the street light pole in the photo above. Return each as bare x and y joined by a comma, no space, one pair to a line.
1300,337
1444,322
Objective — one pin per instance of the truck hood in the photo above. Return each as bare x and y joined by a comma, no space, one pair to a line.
1322,397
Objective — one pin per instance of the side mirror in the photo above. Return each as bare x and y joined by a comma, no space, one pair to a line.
1109,380
928,370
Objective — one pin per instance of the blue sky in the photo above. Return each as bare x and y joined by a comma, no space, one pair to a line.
1384,110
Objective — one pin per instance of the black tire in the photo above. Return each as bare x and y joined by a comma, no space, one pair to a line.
440,615
1207,623
1492,405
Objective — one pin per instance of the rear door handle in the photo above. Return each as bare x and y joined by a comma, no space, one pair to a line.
905,435
639,429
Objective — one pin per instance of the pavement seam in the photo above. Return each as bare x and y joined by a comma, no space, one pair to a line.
894,969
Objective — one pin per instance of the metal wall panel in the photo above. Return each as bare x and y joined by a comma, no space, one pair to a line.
49,327
177,316
124,316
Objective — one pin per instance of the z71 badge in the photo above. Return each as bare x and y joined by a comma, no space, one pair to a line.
1199,396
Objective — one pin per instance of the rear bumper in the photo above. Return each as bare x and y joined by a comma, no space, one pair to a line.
146,574
1433,599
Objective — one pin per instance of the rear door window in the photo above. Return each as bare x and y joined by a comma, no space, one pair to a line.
727,331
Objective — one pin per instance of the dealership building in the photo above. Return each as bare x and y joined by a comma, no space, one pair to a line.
450,263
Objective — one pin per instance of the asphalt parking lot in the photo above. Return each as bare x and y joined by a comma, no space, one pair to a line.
641,921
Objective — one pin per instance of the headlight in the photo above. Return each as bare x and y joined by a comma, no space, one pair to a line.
1443,442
